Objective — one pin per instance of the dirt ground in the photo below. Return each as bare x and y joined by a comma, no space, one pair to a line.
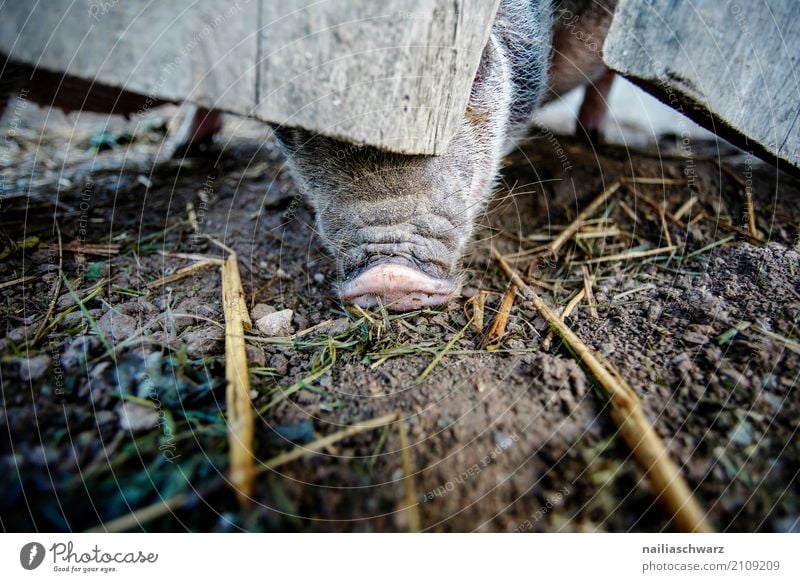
113,390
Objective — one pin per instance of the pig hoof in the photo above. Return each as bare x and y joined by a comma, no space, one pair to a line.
398,287
196,136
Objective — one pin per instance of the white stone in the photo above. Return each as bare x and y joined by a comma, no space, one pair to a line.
276,324
136,418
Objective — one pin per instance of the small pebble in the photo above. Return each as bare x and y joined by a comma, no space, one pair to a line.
606,349
255,356
78,351
117,326
202,341
502,440
136,418
697,334
33,368
279,363
77,316
21,334
276,324
742,434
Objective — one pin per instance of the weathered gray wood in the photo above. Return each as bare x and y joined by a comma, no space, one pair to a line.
394,73
202,51
732,67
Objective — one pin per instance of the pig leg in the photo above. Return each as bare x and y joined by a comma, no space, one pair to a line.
592,114
579,29
197,131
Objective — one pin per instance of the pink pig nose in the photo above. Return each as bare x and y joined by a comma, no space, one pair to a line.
398,287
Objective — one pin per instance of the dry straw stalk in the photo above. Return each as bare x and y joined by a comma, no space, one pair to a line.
668,486
237,395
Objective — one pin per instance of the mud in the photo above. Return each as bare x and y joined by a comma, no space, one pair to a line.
512,439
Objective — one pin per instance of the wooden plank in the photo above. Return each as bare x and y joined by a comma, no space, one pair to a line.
731,67
394,74
196,50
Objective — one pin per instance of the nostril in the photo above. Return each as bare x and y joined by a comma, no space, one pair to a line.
399,287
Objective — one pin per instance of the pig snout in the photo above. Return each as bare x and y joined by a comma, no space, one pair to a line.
397,285
392,248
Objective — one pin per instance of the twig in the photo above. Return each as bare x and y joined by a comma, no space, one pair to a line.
54,299
144,515
740,231
646,287
239,407
656,206
698,217
181,273
441,354
220,244
83,248
629,211
790,344
190,256
477,302
312,329
330,449
360,311
630,255
685,207
532,251
540,283
586,233
412,507
587,287
17,281
653,181
568,308
662,215
575,225
192,217
498,327
735,229
626,411
92,323
301,451
749,207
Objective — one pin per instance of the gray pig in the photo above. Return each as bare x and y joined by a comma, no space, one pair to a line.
398,224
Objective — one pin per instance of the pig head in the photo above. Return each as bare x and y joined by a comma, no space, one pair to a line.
398,224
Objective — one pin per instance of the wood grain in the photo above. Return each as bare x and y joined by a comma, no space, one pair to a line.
394,74
730,66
